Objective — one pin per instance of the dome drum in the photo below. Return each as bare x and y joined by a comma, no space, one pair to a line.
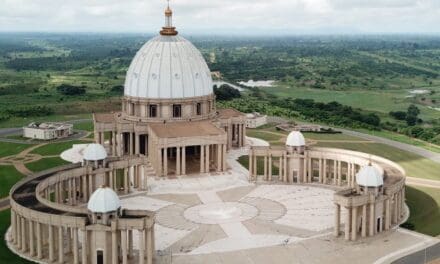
170,110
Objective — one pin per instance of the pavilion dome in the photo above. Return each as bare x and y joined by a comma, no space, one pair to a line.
104,200
94,152
168,67
295,139
369,176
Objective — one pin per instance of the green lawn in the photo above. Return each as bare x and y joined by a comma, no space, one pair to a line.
8,177
268,136
45,164
9,149
6,256
323,136
86,126
424,205
415,165
56,148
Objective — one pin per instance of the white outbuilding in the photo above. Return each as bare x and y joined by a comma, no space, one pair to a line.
295,139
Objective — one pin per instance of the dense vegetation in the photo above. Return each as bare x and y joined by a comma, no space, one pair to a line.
349,81
226,92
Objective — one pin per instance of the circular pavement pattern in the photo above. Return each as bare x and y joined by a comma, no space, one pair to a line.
220,213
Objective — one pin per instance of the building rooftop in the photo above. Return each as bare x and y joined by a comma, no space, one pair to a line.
228,113
49,125
185,129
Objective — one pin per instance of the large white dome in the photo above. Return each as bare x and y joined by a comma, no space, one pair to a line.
94,152
168,67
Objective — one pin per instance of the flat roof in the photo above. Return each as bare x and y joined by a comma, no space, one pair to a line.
185,129
104,118
228,113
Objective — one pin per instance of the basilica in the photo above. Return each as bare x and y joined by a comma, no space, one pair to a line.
163,177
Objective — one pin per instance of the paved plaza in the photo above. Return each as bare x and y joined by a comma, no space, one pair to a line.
222,218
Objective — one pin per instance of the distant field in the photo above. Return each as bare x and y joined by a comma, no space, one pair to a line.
45,164
86,126
9,149
8,177
424,205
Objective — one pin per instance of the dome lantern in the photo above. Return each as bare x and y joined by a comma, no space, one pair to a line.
295,139
168,29
369,177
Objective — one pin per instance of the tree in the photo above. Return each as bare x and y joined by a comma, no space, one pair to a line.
226,93
70,90
413,110
399,115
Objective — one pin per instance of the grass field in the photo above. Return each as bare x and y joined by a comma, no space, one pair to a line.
9,149
19,122
86,126
56,148
45,164
8,177
6,256
424,205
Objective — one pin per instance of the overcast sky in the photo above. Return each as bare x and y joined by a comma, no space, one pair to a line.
224,16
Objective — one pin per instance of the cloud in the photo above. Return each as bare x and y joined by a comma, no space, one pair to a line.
239,16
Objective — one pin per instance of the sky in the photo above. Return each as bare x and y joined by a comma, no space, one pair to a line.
287,17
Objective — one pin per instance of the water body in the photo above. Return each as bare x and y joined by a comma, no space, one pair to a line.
220,83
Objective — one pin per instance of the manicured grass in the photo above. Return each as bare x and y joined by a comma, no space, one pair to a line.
424,205
323,136
56,148
45,164
86,126
8,177
6,256
268,136
403,139
244,161
9,149
414,165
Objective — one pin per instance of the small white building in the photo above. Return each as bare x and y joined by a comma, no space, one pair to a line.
47,131
254,120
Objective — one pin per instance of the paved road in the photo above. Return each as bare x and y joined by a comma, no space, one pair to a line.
423,182
413,149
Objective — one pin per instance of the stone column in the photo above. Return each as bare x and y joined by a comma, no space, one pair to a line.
224,157
165,162
124,246
178,161
354,224
207,161
13,227
75,246
320,170
18,225
347,224
372,219
280,169
31,238
310,170
141,246
150,246
364,220
219,157
51,244
251,159
136,144
337,220
39,241
265,168
270,168
202,158
60,245
304,176
285,167
114,247
183,160
387,214
324,178
23,234
130,243
130,149
84,247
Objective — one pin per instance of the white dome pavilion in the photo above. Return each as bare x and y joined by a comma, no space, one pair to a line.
295,139
369,176
94,152
104,200
168,67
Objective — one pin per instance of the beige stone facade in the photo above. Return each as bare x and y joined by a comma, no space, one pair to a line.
49,222
369,210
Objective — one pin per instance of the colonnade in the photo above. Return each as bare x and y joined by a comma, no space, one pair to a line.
210,156
236,135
